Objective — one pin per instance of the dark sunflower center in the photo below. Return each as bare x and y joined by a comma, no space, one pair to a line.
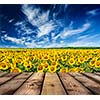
28,66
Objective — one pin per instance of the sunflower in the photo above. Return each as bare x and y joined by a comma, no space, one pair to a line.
3,66
46,65
57,66
19,61
15,70
46,57
81,59
97,64
52,69
40,68
52,58
27,65
86,58
77,69
92,62
64,58
64,70
71,61
54,63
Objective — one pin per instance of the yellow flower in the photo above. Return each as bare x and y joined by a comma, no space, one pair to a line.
54,63
64,70
15,70
27,65
71,61
3,66
64,58
46,57
76,70
46,66
97,64
40,68
92,62
81,59
19,61
52,69
57,66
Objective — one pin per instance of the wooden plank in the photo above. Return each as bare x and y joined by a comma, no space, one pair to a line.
7,77
98,73
3,74
90,84
11,86
92,76
72,86
32,86
52,85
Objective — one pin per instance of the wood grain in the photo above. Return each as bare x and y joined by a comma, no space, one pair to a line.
72,86
7,77
90,84
92,76
3,74
32,86
52,85
98,73
11,86
49,83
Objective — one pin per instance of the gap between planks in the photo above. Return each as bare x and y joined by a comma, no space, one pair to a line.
72,86
11,86
32,86
8,77
50,84
91,85
93,77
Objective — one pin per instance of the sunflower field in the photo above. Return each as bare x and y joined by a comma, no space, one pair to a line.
50,60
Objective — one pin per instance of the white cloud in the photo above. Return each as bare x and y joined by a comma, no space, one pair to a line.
86,40
46,29
54,38
53,45
69,32
19,23
11,20
33,44
84,44
93,12
83,37
61,41
3,31
13,39
35,16
23,28
30,44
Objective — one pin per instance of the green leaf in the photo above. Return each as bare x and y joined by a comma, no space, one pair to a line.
10,60
88,70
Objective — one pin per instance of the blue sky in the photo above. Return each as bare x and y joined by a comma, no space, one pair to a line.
44,26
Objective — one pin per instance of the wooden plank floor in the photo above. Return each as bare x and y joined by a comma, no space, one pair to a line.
49,83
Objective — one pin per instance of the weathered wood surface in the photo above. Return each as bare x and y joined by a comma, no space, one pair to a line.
3,73
93,86
93,77
72,86
52,85
97,74
49,83
7,77
11,86
32,86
